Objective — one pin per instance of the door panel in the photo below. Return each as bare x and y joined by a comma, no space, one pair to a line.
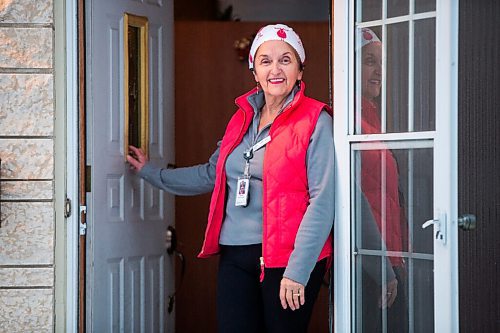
129,274
396,147
479,162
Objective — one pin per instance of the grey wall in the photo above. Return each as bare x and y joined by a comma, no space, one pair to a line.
479,164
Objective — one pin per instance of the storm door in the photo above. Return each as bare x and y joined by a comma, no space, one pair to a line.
395,133
130,99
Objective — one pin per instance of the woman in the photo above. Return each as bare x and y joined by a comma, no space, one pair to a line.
271,210
380,179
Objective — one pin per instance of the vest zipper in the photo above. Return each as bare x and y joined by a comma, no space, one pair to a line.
261,269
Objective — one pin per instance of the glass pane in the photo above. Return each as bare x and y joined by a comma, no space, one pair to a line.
368,10
378,207
397,77
423,304
392,199
397,8
368,80
134,86
425,75
415,168
381,302
422,6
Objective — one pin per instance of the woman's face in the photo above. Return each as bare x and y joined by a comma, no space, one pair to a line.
276,68
371,74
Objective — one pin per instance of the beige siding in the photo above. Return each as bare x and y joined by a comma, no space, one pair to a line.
27,173
26,104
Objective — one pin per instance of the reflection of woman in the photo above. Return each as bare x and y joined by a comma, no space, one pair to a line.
272,237
379,183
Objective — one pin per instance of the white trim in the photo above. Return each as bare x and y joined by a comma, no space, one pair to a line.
445,176
342,231
430,135
397,19
72,175
393,145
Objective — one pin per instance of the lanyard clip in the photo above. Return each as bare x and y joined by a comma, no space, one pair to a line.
248,155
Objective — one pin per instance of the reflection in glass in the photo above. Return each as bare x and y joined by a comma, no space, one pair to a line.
425,75
422,6
397,8
392,201
423,304
369,10
397,77
383,106
368,80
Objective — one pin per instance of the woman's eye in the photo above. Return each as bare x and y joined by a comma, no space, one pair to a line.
369,62
265,61
285,60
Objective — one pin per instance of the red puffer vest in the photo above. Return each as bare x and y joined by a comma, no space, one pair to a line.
285,188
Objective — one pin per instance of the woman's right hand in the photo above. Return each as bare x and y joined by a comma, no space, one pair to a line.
388,299
136,158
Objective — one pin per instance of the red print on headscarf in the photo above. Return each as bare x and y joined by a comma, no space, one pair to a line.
281,33
367,35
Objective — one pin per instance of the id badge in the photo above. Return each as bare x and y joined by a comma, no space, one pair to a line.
242,188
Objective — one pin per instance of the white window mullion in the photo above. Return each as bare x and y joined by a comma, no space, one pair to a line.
445,167
344,93
411,69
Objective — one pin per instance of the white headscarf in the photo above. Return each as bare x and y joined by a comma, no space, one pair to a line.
366,36
276,32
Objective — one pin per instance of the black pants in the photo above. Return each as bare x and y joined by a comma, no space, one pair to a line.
246,305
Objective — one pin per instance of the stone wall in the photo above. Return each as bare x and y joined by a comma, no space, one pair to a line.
27,171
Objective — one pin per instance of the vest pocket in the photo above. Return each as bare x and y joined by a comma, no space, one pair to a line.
292,207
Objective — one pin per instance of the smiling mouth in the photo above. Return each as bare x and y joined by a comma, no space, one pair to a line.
276,81
377,82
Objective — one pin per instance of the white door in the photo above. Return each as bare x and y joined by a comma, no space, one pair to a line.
129,274
395,95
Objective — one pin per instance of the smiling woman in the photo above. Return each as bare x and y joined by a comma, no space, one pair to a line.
202,112
272,180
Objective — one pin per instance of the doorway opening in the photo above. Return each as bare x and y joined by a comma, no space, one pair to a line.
212,41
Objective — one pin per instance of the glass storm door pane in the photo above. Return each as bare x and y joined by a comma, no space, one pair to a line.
392,169
393,255
395,70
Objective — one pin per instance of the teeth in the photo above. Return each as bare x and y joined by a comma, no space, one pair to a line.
276,80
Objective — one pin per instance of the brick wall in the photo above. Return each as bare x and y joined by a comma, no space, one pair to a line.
27,172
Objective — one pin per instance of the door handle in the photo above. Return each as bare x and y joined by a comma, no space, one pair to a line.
467,222
171,246
440,227
171,240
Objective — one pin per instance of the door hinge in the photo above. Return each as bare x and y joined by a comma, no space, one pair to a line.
67,207
88,178
83,226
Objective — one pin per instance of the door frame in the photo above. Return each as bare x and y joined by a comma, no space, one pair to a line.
445,163
66,168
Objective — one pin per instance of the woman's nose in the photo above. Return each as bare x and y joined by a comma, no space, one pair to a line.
276,68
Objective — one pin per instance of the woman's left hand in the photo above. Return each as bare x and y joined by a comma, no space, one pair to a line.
292,294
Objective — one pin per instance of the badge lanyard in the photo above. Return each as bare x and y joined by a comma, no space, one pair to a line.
243,184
